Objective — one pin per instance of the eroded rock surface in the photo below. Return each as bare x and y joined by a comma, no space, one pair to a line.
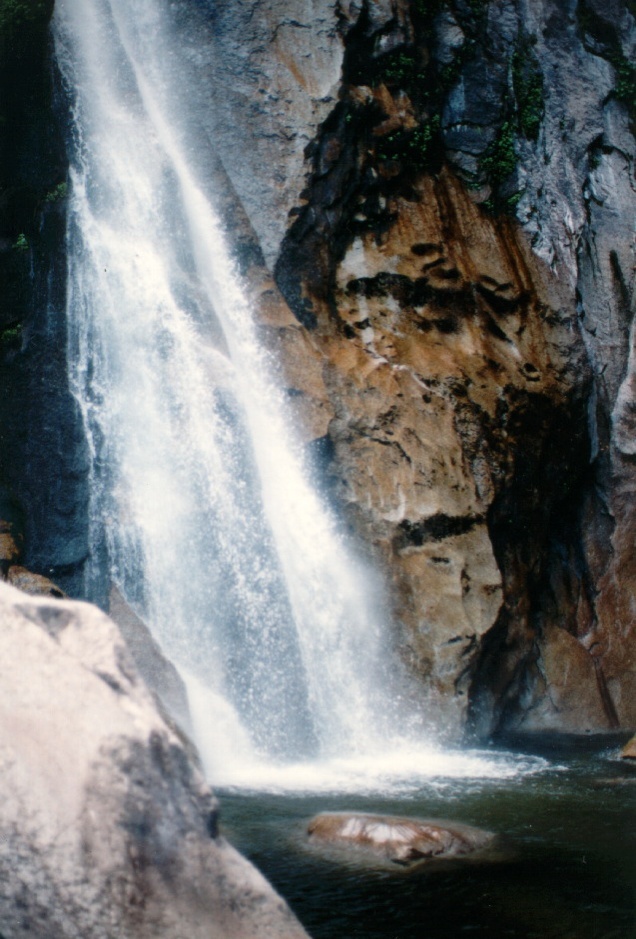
460,266
401,840
107,827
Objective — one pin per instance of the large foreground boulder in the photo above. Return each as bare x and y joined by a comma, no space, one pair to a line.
401,840
107,828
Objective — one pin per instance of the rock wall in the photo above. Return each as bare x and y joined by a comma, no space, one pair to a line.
459,264
43,462
107,827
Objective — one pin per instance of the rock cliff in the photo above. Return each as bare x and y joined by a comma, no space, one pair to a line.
458,262
43,459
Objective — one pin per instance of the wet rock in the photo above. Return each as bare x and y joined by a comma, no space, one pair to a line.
400,840
11,541
107,827
36,585
629,750
481,372
272,70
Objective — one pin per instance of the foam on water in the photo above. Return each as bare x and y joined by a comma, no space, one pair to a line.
398,766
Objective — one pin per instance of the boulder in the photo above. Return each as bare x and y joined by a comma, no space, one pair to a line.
401,840
157,671
36,585
10,544
107,827
629,750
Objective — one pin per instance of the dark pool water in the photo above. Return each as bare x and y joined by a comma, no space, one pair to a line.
565,867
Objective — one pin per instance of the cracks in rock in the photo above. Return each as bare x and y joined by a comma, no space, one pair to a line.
368,435
292,24
435,528
604,692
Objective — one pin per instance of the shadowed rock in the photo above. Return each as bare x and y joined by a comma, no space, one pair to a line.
157,671
401,840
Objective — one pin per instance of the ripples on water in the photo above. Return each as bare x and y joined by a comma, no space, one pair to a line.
565,867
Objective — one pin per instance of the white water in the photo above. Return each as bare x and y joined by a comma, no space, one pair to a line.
202,508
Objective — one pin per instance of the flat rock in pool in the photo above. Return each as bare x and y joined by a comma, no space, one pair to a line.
401,840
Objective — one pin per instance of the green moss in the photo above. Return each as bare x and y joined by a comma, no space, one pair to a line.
399,69
527,82
500,159
498,164
625,87
21,243
478,7
427,9
10,334
57,194
417,148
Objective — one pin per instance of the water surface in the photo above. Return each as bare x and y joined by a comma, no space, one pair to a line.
565,867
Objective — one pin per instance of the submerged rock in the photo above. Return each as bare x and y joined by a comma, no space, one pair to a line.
401,840
107,827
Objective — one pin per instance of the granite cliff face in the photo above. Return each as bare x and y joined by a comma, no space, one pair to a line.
458,261
433,203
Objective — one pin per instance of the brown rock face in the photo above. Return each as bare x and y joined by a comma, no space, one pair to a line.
10,545
479,371
457,384
34,584
401,840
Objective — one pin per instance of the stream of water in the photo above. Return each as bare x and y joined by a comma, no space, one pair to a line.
201,510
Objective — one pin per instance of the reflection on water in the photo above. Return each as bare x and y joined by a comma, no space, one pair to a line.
566,867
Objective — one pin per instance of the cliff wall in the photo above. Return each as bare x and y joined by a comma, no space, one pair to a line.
43,461
458,257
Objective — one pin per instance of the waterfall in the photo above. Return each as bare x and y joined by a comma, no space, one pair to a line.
202,508
201,503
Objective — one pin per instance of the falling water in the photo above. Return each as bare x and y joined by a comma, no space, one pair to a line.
201,508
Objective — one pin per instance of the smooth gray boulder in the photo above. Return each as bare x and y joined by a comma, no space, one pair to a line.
107,827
